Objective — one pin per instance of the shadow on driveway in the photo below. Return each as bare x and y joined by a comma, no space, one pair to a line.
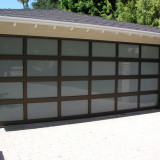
74,121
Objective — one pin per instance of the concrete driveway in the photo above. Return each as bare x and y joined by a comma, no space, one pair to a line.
118,137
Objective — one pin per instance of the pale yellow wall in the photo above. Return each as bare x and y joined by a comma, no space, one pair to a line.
48,31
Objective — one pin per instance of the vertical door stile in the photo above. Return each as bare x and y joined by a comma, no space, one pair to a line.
89,80
59,78
25,77
116,78
139,79
158,106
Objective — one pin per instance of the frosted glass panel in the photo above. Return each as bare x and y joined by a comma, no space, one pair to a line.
42,110
150,52
128,51
103,86
11,112
102,105
75,48
103,68
74,68
128,85
149,68
74,88
11,90
100,49
128,68
127,102
46,47
37,68
78,107
41,89
149,84
11,68
148,100
11,46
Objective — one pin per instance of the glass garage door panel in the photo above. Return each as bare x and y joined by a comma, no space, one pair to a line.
42,110
103,68
74,68
103,86
75,48
149,84
11,46
11,90
41,89
148,68
70,108
100,49
127,85
128,51
150,52
11,112
40,68
47,47
127,102
74,88
148,100
128,68
11,68
102,105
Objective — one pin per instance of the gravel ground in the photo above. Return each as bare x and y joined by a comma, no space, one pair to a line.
118,137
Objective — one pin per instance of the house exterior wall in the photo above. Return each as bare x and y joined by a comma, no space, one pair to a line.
83,78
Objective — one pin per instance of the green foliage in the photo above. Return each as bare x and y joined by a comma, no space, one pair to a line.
92,7
46,4
126,11
146,12
113,3
24,3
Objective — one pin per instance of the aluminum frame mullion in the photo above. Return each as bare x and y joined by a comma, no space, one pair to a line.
158,107
139,79
25,79
89,78
59,78
116,79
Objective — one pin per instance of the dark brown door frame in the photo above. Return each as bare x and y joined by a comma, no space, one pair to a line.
89,78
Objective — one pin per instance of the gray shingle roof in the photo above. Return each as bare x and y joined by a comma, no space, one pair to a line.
64,16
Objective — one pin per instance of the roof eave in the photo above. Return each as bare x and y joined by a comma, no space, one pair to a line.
116,30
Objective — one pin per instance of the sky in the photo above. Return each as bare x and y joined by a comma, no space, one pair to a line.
12,4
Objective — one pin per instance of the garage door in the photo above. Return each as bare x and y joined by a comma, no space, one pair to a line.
44,79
